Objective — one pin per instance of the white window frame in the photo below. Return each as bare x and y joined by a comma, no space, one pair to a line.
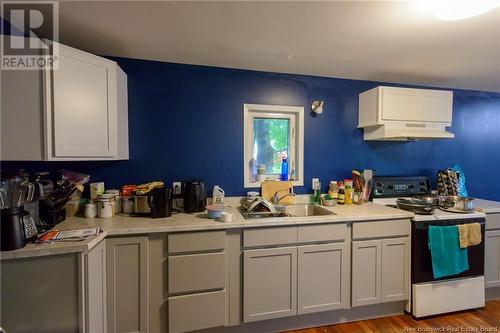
296,158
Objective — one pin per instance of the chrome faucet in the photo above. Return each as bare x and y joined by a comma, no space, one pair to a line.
277,198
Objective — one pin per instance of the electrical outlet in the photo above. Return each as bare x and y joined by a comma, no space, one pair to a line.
177,186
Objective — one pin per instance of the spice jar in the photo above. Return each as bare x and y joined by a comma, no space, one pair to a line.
109,200
117,205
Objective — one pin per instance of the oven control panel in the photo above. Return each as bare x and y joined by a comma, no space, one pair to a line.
392,187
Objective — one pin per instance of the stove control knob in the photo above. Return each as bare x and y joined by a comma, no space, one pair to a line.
411,186
390,187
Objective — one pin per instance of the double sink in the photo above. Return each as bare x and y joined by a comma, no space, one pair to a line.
297,210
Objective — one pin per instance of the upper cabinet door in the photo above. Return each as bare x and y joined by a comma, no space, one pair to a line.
399,104
84,110
422,105
435,106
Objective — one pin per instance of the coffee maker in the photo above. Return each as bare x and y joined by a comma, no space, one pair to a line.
17,225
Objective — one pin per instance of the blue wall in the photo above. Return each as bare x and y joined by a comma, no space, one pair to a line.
186,121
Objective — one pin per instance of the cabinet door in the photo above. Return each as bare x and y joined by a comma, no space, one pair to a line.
435,106
127,284
492,259
83,115
196,311
399,104
21,120
269,283
395,269
95,289
323,274
366,272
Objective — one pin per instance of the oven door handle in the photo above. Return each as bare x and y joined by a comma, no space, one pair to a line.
425,226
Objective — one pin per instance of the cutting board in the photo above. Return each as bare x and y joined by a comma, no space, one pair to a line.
270,187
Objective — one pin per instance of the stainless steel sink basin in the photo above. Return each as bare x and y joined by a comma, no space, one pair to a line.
262,215
298,210
304,210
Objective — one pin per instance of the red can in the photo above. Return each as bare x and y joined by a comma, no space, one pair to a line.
128,190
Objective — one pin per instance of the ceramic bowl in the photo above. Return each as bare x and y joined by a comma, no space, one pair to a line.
215,211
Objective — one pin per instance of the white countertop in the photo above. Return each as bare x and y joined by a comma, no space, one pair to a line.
127,225
122,225
487,206
53,248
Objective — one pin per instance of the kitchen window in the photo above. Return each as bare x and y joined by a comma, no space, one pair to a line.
272,132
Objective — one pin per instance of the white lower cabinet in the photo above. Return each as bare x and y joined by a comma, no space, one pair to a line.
492,259
380,270
269,283
366,273
323,277
197,281
395,269
94,266
311,274
197,311
127,284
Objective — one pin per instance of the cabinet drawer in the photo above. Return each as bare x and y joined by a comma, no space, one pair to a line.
197,311
196,272
269,236
322,232
380,229
492,221
197,241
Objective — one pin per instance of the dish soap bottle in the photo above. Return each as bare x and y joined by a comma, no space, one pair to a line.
341,196
218,195
316,186
284,169
334,189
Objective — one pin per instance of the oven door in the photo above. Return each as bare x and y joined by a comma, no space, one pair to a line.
421,256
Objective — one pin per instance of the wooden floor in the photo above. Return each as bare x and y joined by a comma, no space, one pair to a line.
482,320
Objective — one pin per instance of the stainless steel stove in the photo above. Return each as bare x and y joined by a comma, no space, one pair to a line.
431,296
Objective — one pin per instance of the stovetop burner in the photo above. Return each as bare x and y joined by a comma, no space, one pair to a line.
387,189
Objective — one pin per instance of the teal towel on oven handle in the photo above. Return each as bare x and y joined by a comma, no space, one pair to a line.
447,256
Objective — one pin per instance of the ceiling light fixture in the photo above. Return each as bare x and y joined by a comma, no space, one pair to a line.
452,10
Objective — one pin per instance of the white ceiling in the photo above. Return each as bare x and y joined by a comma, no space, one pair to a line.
392,41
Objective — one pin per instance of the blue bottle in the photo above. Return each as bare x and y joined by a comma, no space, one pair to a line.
284,169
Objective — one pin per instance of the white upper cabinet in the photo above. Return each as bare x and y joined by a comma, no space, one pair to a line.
392,113
83,105
399,104
416,105
435,105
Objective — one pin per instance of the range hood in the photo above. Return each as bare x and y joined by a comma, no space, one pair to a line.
405,114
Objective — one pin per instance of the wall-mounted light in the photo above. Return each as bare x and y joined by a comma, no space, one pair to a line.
317,107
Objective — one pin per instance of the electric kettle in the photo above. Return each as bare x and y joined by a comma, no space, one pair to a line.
195,196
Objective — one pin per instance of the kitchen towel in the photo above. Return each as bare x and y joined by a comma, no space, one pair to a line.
469,234
446,255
